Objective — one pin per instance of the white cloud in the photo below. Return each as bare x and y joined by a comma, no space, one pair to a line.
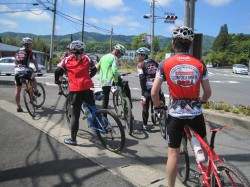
161,2
218,2
103,5
92,20
8,23
117,20
36,15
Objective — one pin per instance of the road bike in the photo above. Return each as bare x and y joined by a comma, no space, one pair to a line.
122,104
105,123
64,85
32,102
217,172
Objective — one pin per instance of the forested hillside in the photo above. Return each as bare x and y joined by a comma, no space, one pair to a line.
91,37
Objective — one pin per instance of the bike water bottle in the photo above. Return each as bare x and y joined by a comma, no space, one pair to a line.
143,100
87,113
199,155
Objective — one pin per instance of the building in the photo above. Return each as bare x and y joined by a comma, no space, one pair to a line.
10,50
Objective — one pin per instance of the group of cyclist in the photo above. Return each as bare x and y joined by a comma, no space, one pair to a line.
183,73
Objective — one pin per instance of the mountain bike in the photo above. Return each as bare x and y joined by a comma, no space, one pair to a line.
217,172
106,124
122,104
64,85
31,101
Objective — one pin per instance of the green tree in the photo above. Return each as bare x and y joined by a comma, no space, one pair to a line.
222,41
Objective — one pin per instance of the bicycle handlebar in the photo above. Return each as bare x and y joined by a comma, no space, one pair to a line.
124,74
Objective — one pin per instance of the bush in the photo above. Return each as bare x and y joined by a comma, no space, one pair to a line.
237,109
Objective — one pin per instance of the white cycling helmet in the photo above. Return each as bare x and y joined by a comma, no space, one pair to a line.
120,48
183,32
77,45
143,51
26,40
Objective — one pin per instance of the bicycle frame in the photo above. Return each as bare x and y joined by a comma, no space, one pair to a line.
212,156
94,110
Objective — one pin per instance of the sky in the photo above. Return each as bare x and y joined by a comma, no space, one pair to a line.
124,16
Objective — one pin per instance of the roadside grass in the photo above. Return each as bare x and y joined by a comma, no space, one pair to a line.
236,109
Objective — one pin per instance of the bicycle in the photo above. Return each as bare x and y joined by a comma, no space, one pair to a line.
217,173
122,104
64,85
161,119
106,124
31,101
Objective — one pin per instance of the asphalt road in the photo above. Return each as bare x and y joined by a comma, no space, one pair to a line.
147,148
31,158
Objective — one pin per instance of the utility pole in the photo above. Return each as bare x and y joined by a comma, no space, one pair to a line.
52,37
83,15
187,13
153,28
111,38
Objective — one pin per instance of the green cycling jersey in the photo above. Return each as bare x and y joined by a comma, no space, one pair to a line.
108,69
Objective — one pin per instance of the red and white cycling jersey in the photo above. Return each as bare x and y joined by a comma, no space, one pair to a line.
183,74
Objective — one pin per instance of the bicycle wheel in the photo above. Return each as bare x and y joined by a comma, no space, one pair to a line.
68,111
229,176
65,86
39,101
128,117
29,103
117,102
163,124
183,165
113,138
153,113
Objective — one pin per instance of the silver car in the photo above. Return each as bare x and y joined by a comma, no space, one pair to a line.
240,68
7,66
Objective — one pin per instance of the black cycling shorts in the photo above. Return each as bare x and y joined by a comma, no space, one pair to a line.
27,76
175,129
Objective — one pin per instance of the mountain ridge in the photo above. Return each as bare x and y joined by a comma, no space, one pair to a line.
97,37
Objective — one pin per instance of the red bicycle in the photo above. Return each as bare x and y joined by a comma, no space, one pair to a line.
217,172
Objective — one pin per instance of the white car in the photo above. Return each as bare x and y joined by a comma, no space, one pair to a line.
7,66
240,68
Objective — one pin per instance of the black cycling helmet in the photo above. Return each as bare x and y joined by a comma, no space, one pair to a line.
98,95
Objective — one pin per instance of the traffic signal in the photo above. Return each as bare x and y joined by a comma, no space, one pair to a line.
171,17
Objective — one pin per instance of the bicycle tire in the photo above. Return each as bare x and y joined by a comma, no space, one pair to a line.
39,101
117,102
114,127
153,113
68,111
128,117
163,124
64,84
184,164
28,101
225,170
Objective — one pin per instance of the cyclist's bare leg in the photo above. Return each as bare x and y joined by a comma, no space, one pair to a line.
17,96
172,165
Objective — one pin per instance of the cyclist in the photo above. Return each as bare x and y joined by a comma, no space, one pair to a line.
80,68
23,57
108,71
184,75
146,69
60,71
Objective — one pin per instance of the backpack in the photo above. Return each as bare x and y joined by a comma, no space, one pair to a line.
22,56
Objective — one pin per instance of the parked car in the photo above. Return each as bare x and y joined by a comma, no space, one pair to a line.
240,68
94,57
7,66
